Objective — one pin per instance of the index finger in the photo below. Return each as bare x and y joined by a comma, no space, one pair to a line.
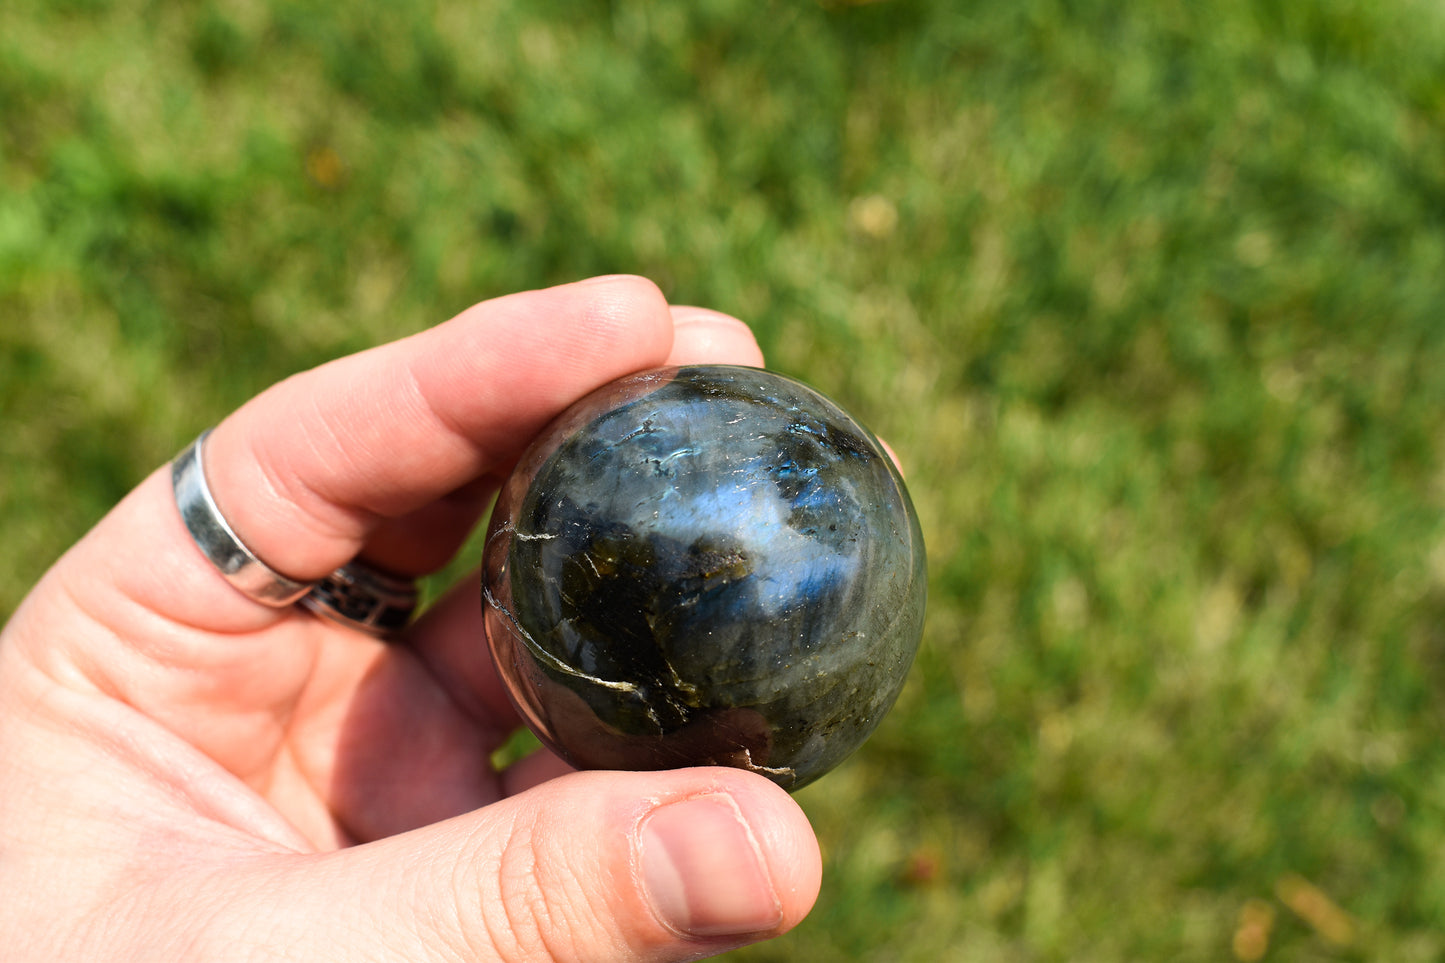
308,469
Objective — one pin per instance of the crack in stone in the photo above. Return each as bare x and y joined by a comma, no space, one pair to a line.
782,772
509,528
646,428
548,658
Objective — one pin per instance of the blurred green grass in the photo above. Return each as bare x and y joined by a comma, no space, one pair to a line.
1149,298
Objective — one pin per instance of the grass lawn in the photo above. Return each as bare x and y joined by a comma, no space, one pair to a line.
1150,298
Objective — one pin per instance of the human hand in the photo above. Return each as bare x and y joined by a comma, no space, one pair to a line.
188,774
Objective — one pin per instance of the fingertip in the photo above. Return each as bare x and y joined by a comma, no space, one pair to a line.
704,336
785,839
893,456
727,855
720,855
625,309
703,870
632,288
619,278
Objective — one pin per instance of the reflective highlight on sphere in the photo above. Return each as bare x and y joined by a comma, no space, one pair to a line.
706,565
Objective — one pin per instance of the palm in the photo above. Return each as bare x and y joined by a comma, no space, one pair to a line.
363,747
348,738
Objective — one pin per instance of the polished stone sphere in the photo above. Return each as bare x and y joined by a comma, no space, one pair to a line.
705,565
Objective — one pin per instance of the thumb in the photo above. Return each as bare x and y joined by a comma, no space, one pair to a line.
597,866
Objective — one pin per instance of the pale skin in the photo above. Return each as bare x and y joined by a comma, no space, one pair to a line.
188,775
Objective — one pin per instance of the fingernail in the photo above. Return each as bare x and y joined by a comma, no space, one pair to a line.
686,314
610,278
703,871
711,337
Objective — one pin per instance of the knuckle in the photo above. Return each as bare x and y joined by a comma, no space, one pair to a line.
533,904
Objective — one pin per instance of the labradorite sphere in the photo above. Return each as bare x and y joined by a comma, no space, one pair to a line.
704,565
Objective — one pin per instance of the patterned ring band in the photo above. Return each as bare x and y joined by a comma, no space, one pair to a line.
368,600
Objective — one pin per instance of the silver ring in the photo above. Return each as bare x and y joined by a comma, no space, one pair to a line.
362,598
214,536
